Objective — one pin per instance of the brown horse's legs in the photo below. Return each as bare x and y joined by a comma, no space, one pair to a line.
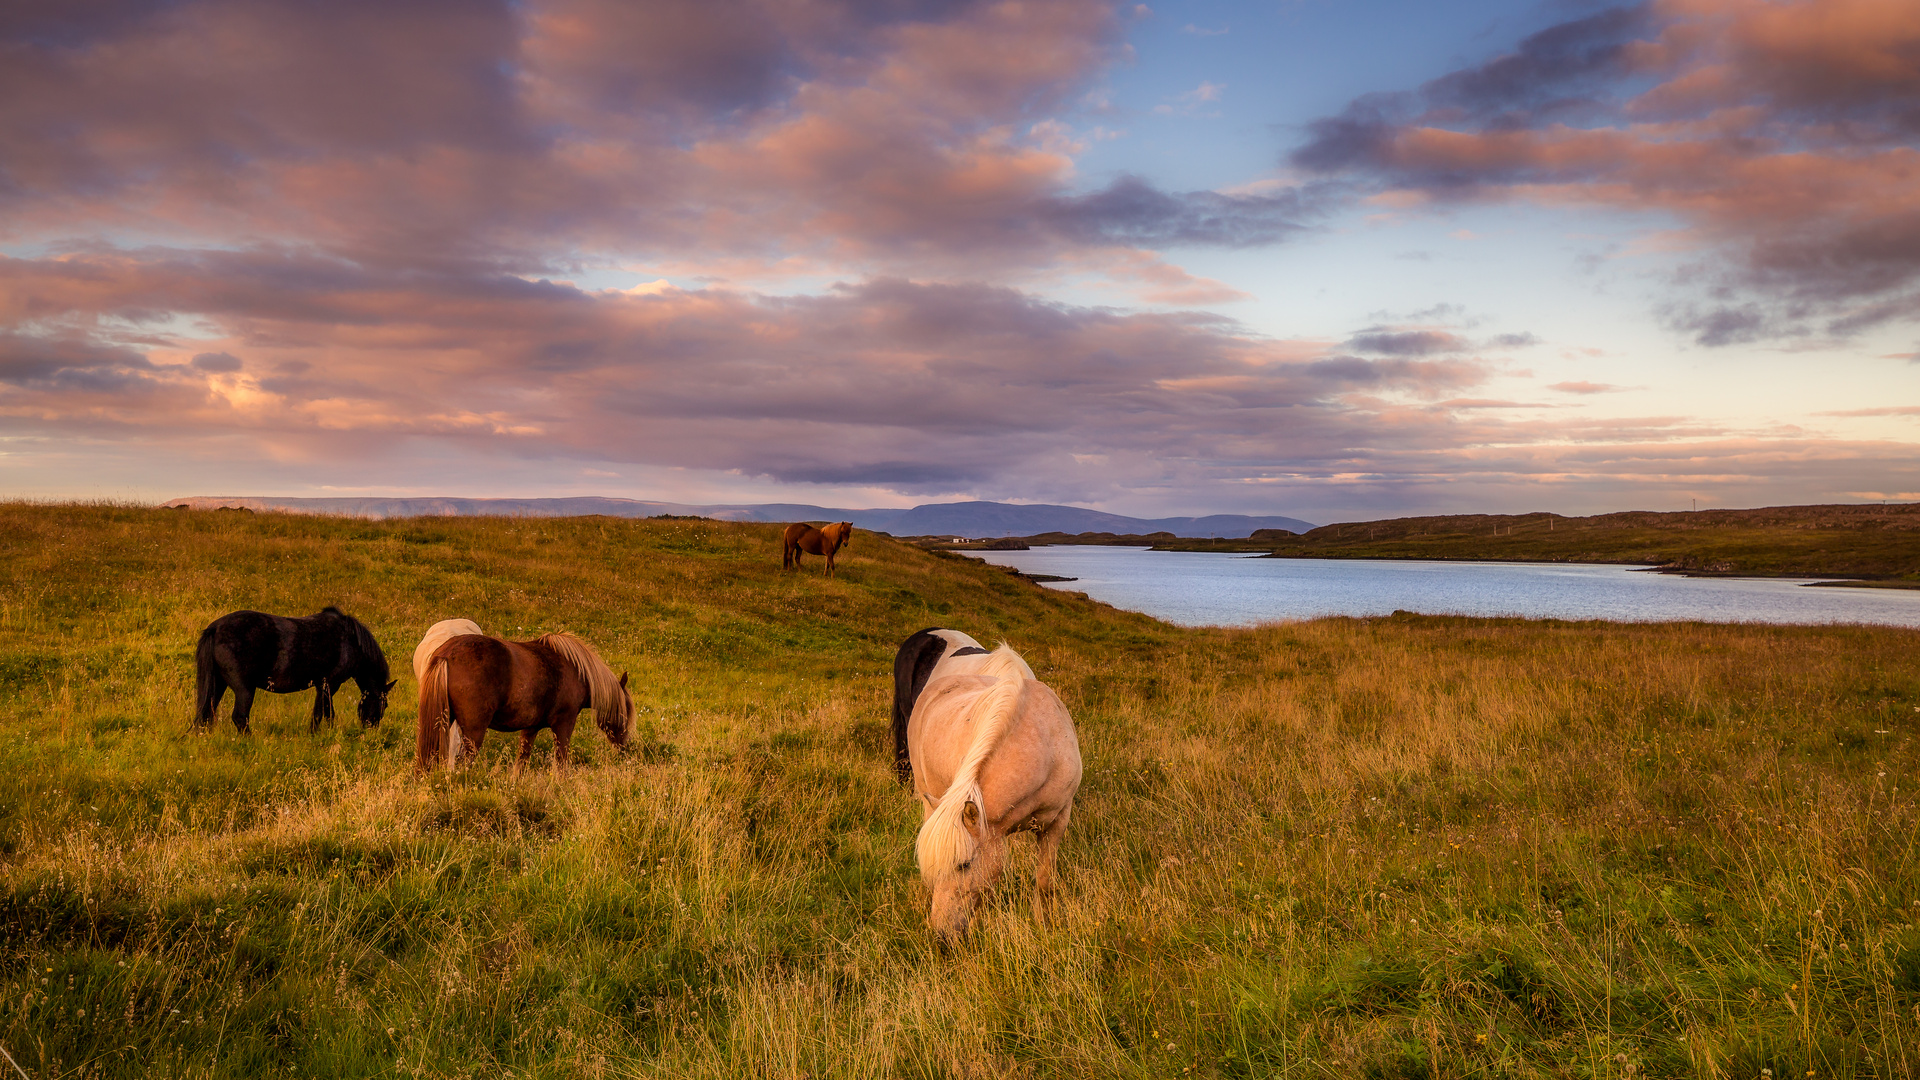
562,744
242,707
469,744
526,749
1043,883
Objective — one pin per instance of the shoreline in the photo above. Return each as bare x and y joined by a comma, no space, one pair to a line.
1827,581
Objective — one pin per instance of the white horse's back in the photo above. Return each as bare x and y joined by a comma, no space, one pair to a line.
437,635
993,752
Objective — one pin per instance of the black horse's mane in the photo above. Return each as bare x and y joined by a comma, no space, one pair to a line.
362,637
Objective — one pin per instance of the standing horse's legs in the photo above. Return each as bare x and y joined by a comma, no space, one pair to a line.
461,743
242,707
212,689
563,743
526,749
322,705
1043,884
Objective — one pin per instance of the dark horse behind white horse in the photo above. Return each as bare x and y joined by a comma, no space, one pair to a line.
994,753
251,650
923,657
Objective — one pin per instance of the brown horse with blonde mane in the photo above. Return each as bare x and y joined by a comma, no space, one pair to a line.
827,541
474,682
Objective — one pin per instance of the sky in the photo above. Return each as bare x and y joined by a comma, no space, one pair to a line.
1332,259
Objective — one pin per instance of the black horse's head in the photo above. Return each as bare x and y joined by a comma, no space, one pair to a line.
373,699
371,675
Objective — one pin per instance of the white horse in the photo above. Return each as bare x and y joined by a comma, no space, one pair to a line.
927,655
994,753
437,635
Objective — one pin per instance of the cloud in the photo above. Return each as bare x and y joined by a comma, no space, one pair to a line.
792,139
1585,388
1892,410
1784,135
217,362
1406,342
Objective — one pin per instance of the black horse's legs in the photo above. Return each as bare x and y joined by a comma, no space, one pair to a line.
212,688
322,704
242,707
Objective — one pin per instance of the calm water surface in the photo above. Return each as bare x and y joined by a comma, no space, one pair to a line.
1211,589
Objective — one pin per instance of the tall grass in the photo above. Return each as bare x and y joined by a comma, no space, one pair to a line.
1400,847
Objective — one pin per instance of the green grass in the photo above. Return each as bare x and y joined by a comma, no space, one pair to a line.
1398,847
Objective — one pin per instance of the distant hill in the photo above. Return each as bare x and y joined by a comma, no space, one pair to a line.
1859,540
929,519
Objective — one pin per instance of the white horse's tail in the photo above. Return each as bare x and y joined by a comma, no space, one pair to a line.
945,842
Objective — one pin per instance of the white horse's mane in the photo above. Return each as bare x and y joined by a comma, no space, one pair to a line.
945,842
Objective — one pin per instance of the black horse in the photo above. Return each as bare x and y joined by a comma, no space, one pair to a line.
250,650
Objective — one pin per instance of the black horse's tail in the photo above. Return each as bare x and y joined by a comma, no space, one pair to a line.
911,667
207,682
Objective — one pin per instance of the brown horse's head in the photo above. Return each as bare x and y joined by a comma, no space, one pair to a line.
838,534
616,723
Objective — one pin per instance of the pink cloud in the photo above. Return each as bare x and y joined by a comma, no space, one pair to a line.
1783,133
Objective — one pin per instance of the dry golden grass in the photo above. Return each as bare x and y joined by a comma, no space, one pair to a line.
1389,847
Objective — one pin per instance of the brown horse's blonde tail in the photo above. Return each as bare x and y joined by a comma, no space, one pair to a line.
946,841
436,718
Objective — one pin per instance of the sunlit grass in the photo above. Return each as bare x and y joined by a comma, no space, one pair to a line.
1389,847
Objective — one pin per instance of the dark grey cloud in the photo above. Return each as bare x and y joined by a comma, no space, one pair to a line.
217,362
1133,212
1390,342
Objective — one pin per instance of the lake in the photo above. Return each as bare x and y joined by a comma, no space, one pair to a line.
1212,589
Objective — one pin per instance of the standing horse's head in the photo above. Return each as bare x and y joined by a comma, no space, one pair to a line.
373,700
617,723
958,873
838,534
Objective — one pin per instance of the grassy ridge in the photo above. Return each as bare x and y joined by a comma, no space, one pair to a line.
1872,542
1390,847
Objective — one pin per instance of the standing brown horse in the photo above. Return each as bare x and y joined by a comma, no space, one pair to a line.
826,541
474,682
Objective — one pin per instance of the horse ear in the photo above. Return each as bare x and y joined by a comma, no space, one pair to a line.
623,680
392,684
970,816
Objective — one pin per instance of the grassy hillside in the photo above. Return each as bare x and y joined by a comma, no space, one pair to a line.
1398,847
1871,542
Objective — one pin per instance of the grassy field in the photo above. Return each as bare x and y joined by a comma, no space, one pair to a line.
1398,847
1867,541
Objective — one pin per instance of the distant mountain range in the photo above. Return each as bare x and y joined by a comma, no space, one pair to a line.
970,519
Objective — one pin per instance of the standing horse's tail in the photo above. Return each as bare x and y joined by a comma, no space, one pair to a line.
437,730
946,842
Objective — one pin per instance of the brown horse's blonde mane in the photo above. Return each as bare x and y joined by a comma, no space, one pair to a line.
836,534
611,707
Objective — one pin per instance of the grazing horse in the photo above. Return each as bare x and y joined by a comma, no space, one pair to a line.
474,683
250,650
926,656
994,753
437,635
802,537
